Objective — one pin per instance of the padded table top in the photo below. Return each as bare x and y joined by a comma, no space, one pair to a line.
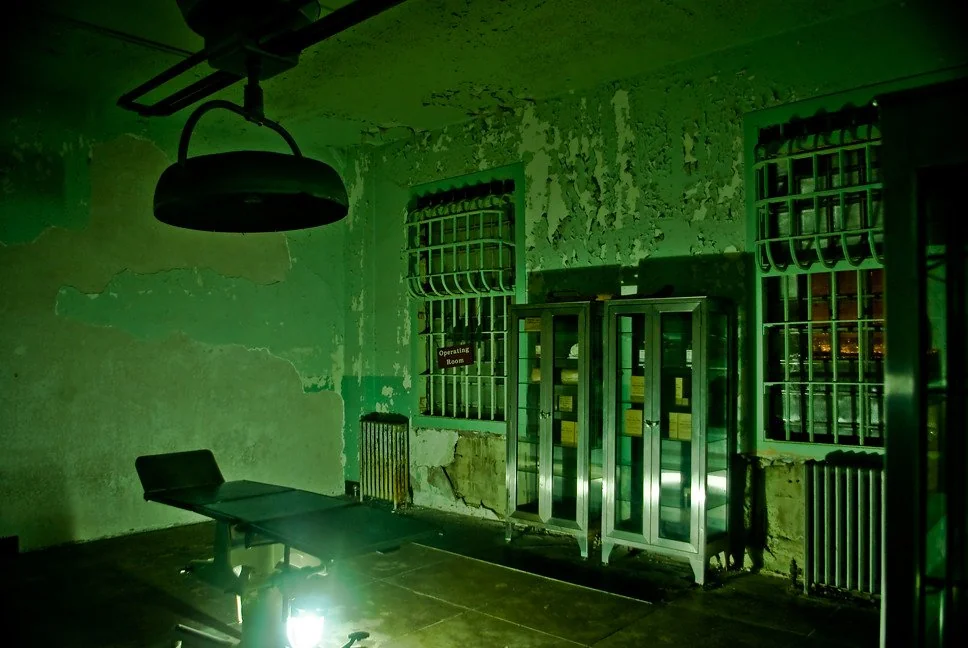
246,501
343,532
320,525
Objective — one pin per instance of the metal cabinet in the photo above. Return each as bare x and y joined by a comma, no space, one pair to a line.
669,427
554,440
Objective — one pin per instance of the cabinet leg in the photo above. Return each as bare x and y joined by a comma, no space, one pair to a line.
607,546
508,530
699,569
583,545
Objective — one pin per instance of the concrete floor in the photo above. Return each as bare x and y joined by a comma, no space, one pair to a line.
128,592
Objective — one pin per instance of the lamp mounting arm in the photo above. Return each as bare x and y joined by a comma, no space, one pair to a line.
252,97
199,112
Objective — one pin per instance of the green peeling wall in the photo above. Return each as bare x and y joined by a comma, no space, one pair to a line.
123,337
645,172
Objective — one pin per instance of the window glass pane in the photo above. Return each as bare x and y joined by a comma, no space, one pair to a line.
823,347
676,426
566,411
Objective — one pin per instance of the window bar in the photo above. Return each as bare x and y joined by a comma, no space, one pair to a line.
500,249
787,384
483,259
467,254
436,270
868,223
428,375
442,372
478,306
862,392
818,247
796,235
447,257
810,375
840,213
465,389
453,371
450,249
490,335
834,354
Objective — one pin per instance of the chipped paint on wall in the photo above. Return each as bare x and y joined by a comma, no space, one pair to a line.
127,337
41,181
458,472
355,187
648,168
626,190
214,309
533,141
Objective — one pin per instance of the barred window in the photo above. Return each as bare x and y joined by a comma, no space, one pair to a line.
461,247
819,248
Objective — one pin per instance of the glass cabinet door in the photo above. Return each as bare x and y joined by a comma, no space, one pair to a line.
563,353
528,413
631,432
672,519
718,423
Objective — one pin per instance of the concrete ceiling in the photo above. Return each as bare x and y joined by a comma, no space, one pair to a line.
422,65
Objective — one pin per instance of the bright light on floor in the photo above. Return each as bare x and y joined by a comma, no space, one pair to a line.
304,629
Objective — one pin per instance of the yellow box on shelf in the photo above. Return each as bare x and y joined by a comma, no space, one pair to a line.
566,403
569,376
633,422
637,389
680,426
680,391
532,324
569,433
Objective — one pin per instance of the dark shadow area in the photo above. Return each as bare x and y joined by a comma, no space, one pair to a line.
756,529
629,573
118,592
128,592
43,516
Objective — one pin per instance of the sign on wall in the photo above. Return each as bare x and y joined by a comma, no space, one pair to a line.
455,356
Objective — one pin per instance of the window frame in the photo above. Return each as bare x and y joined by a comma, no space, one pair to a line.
753,122
513,173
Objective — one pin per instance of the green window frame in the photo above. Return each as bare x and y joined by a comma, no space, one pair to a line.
816,212
803,120
463,265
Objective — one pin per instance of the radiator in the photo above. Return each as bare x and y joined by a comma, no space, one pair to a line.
844,526
385,458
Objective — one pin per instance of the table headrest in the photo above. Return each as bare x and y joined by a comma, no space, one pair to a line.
178,470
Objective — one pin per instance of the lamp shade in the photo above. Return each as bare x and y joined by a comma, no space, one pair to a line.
249,191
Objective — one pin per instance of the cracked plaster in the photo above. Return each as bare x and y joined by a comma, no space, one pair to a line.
171,362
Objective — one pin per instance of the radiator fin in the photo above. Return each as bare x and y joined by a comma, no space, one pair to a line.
844,526
385,459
